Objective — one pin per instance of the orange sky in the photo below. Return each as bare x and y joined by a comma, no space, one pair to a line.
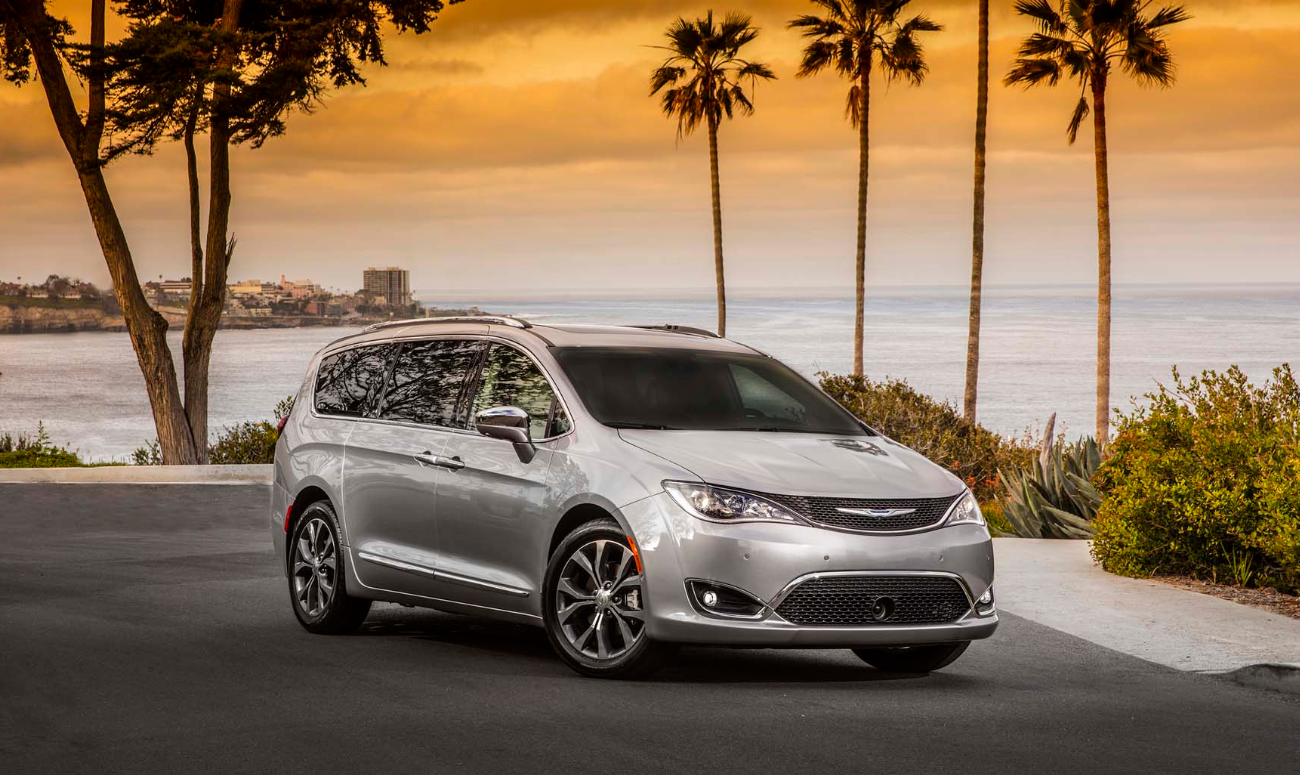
516,147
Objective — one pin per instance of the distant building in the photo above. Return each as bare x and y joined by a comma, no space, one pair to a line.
299,289
176,287
391,283
246,288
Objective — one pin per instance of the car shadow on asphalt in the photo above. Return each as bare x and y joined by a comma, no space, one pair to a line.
691,665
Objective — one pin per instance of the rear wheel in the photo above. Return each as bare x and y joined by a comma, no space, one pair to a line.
913,659
317,586
593,605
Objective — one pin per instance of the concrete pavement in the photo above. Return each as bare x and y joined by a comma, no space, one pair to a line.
147,628
1055,583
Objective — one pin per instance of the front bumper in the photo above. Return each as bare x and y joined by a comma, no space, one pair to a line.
765,559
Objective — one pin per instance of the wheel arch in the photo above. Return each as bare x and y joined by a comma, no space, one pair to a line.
579,514
305,497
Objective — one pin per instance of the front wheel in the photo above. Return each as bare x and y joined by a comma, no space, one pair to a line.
593,605
913,659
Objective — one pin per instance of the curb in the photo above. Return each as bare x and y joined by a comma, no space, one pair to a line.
1278,676
236,474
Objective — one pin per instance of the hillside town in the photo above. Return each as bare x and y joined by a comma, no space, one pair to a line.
60,303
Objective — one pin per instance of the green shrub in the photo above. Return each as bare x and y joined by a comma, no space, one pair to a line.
247,442
1054,498
1205,481
23,451
244,443
933,428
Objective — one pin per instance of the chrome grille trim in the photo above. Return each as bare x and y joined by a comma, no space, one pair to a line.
920,513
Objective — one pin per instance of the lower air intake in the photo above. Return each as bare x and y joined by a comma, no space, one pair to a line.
857,601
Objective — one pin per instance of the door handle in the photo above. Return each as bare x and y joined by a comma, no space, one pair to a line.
453,463
430,459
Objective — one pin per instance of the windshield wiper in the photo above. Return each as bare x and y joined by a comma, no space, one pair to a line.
641,426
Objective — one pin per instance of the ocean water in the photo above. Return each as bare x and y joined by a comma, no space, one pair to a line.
1037,355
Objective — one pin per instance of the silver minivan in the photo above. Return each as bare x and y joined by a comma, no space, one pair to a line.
628,489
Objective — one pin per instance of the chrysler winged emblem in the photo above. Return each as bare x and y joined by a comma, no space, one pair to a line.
878,513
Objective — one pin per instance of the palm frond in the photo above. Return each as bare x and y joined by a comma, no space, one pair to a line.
1081,112
1032,72
1041,11
1169,15
853,105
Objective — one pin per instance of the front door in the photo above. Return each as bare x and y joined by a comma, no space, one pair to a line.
491,510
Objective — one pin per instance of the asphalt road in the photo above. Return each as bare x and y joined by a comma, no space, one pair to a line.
146,628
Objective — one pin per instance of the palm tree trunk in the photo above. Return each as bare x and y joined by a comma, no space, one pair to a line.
717,228
977,231
1103,259
147,329
859,322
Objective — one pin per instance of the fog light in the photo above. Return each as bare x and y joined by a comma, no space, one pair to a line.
984,605
986,598
719,600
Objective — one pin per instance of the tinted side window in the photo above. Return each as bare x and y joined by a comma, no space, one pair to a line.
348,383
428,380
510,378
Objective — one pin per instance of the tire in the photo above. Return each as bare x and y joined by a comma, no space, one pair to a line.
588,618
913,659
318,575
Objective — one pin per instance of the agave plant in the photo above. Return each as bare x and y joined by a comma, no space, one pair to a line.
1054,496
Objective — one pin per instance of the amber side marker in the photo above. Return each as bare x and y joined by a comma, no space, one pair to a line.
636,553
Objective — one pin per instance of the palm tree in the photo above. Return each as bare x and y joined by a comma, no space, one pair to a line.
1083,40
701,81
851,37
977,228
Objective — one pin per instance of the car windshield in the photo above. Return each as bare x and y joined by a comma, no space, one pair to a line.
676,389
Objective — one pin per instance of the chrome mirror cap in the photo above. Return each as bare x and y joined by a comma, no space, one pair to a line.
509,423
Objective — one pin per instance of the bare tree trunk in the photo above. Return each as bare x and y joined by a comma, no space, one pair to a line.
1103,259
717,228
859,321
207,300
147,329
977,236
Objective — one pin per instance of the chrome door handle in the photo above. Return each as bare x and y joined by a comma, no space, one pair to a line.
426,459
453,463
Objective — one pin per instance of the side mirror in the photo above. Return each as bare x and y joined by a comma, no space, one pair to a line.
508,423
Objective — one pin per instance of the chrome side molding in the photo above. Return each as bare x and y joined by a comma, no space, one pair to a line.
453,578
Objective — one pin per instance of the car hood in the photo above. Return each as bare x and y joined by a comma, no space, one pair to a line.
800,463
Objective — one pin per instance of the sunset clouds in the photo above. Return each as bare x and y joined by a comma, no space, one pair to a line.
517,139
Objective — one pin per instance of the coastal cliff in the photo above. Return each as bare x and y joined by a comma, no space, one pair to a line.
27,319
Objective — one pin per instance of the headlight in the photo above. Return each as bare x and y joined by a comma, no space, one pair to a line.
965,511
718,504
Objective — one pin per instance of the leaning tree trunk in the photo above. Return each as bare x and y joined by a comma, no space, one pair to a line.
147,329
1103,259
859,322
977,231
208,295
719,277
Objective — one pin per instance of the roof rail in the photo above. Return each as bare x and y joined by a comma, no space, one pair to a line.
676,329
485,319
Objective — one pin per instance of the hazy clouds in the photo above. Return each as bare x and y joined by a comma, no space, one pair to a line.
518,137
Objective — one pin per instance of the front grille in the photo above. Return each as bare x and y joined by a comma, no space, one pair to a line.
925,512
848,601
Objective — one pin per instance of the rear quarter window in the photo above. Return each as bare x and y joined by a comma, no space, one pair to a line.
348,383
